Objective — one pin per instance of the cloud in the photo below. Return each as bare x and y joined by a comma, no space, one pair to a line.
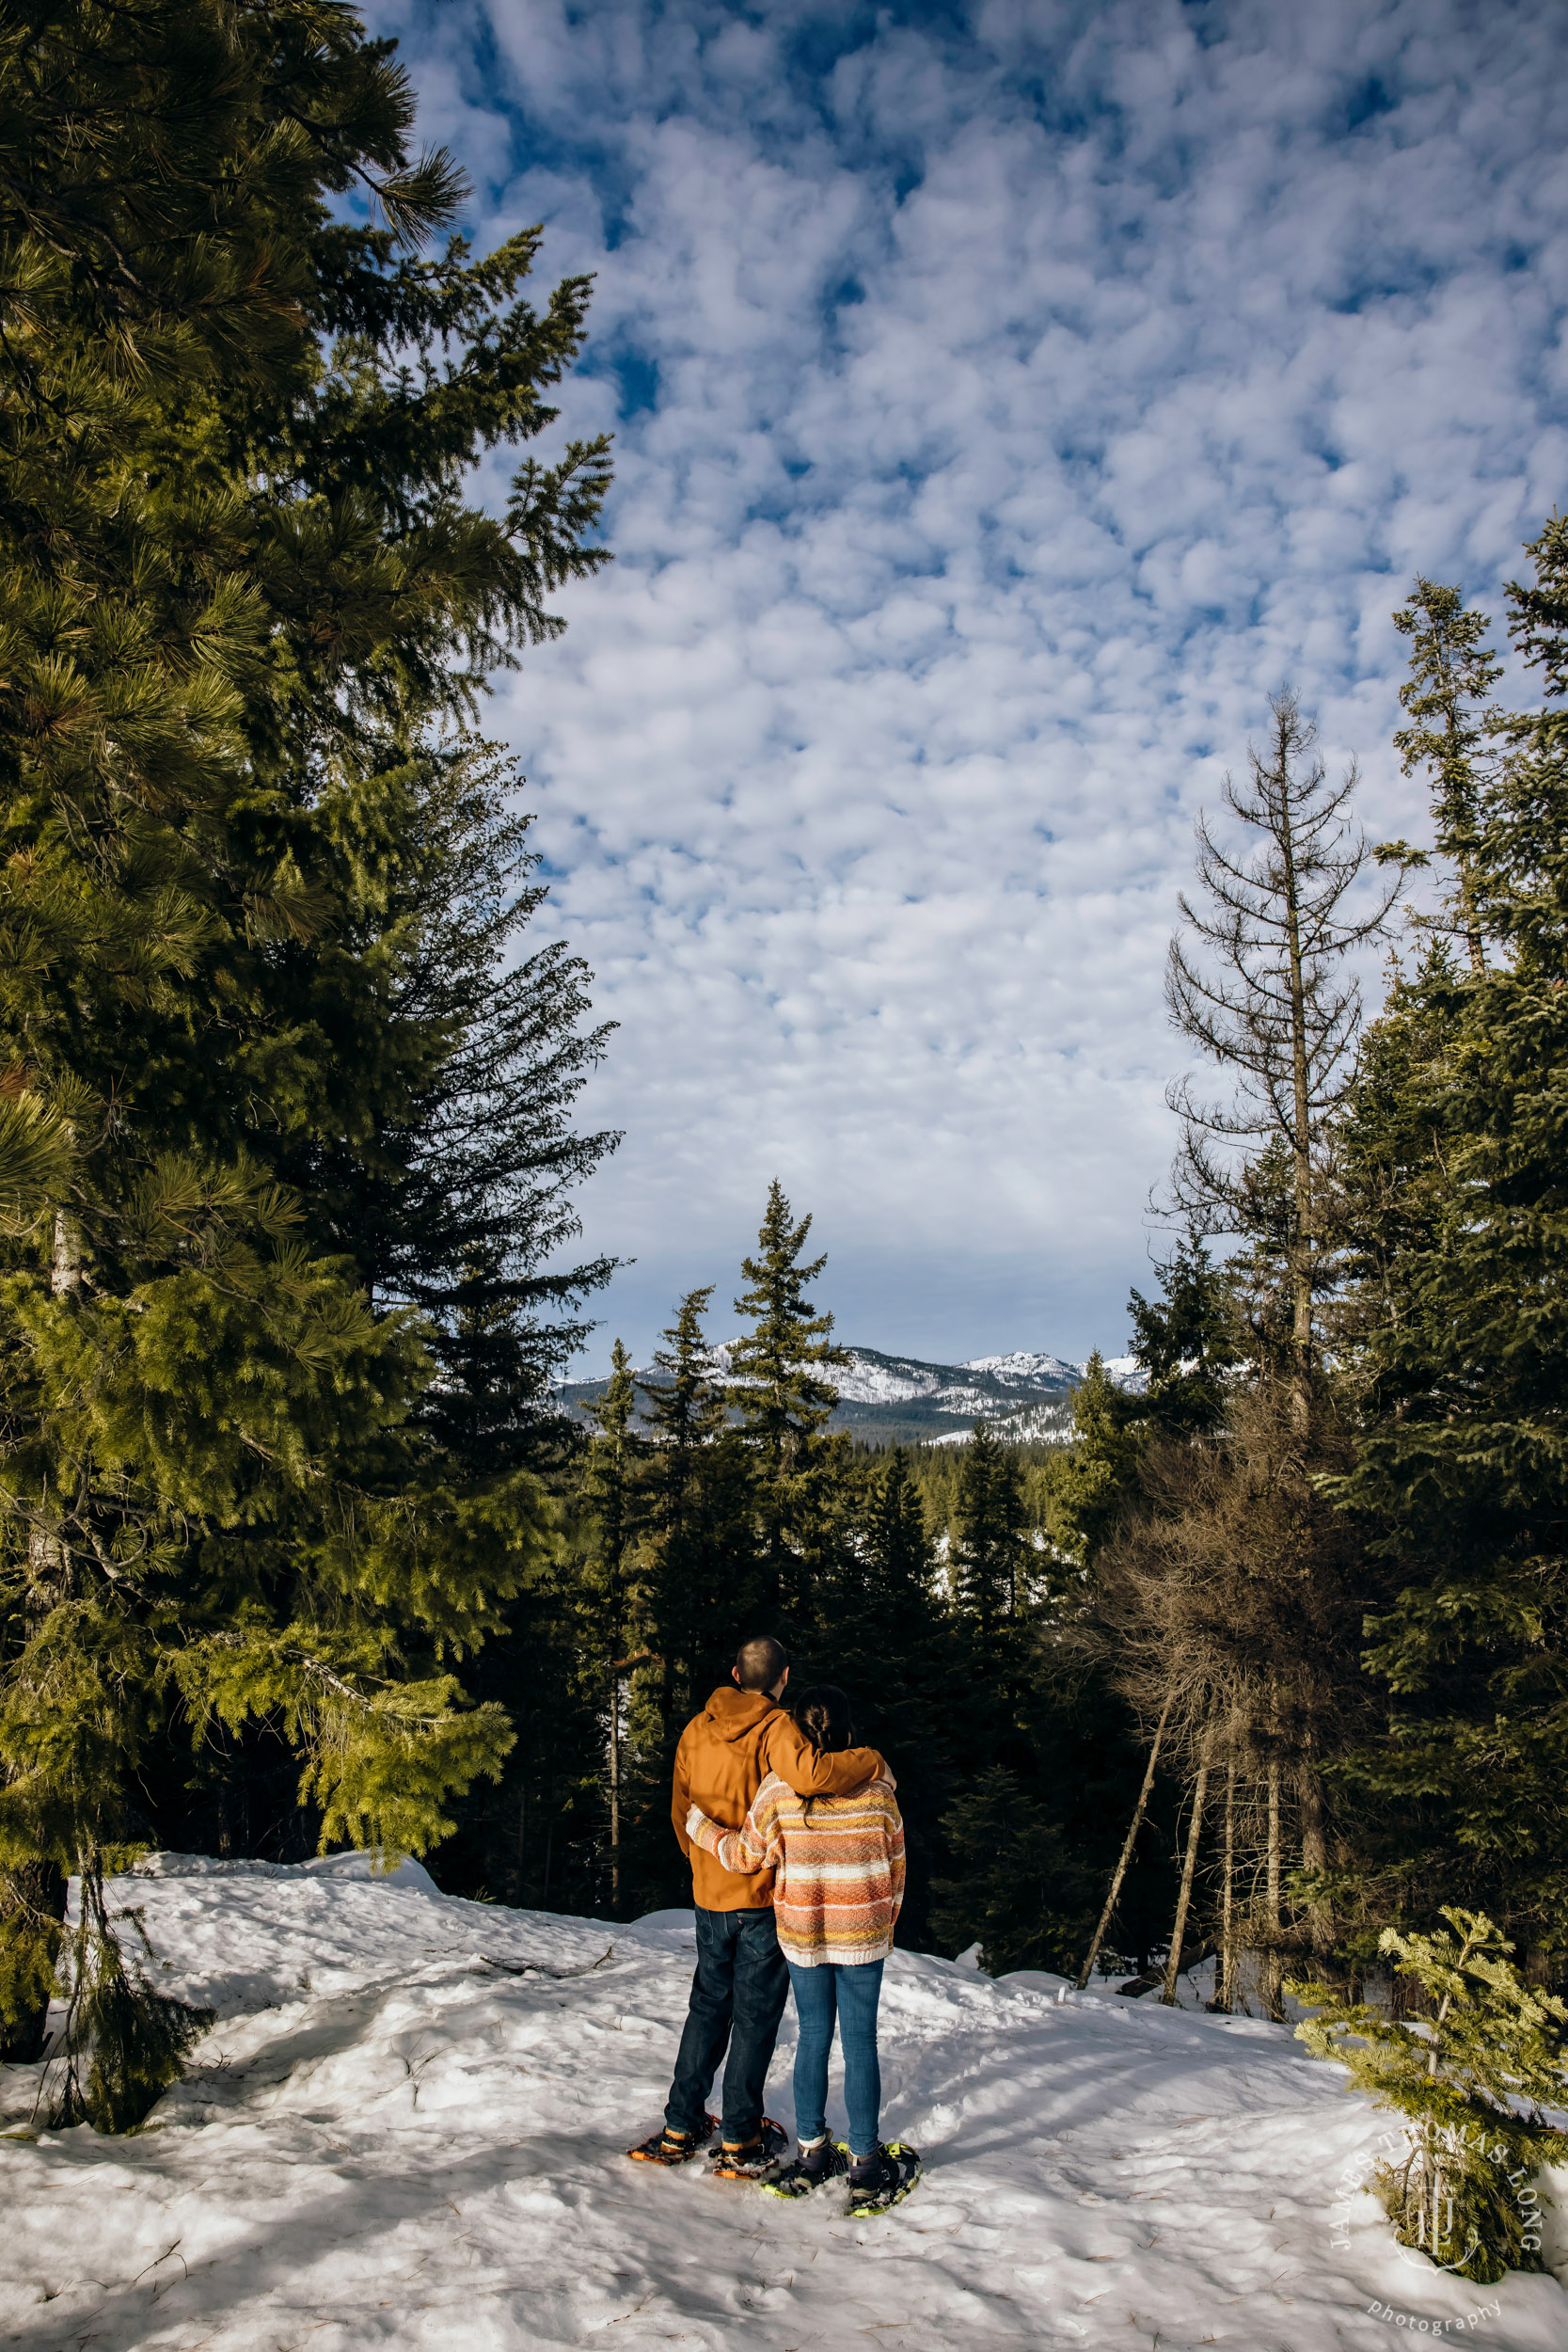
1004,407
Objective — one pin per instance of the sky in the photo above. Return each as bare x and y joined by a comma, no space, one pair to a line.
1008,398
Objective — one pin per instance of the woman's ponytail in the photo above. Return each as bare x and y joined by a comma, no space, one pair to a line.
823,1714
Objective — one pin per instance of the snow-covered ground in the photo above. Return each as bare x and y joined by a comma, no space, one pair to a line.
391,2139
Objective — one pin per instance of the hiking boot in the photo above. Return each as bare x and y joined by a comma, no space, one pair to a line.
824,2160
883,2178
668,2147
747,2160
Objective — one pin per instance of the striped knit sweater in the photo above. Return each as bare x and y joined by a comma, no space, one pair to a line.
840,1864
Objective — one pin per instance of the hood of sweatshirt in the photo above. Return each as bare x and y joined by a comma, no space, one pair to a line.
733,1713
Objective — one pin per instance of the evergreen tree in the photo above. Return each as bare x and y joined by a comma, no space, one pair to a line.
899,1562
783,1402
1473,2077
993,1554
1464,1462
889,1641
460,1203
697,1585
610,1496
1025,1896
1389,1161
1088,1485
243,594
1453,672
1188,1344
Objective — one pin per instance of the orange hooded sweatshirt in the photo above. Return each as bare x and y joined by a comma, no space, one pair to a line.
725,1753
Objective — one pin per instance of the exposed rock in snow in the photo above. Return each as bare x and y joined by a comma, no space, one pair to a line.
403,2132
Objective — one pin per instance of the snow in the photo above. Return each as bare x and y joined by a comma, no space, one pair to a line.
1026,1366
399,2134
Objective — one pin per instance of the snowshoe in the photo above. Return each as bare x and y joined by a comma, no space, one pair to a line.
826,2162
668,2147
886,2182
758,2157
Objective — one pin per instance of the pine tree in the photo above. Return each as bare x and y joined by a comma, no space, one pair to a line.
783,1403
460,1203
1464,1463
994,1561
610,1499
1188,1344
1089,1483
1025,1896
898,1572
1453,672
889,1641
697,1579
699,1576
1473,2077
243,594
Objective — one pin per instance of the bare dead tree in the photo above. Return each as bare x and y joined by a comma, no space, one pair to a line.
1233,1602
1261,986
1189,1865
1128,1843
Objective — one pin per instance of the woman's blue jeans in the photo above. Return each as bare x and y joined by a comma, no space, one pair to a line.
851,1995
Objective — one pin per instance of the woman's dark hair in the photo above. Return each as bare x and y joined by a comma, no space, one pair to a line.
823,1714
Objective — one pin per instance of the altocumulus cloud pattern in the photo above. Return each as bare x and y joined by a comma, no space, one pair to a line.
1007,400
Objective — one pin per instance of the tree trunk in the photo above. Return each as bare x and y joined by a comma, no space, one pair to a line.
1126,1856
1314,1842
44,1556
1300,1141
1467,867
34,1892
65,1268
1225,1990
616,1793
1195,1830
1273,1959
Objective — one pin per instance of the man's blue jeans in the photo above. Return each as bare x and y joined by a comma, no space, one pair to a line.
737,1996
853,1995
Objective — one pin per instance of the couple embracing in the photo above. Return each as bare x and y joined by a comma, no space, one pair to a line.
796,1854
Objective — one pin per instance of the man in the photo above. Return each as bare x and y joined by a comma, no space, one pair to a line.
740,1983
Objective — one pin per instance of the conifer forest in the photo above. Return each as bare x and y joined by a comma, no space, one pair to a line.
301,1548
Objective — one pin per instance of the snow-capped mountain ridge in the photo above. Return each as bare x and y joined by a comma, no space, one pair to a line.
1025,1395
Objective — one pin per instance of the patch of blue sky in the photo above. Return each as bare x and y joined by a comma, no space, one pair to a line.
1371,98
636,375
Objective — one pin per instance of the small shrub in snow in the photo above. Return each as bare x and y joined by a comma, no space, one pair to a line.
1472,2079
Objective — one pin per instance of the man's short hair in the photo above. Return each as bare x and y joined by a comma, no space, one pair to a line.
760,1663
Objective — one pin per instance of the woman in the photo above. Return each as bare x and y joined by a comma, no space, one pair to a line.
840,1864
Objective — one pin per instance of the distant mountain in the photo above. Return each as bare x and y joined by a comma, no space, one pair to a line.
900,1400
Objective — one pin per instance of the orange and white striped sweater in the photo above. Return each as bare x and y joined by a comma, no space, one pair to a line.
840,1864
